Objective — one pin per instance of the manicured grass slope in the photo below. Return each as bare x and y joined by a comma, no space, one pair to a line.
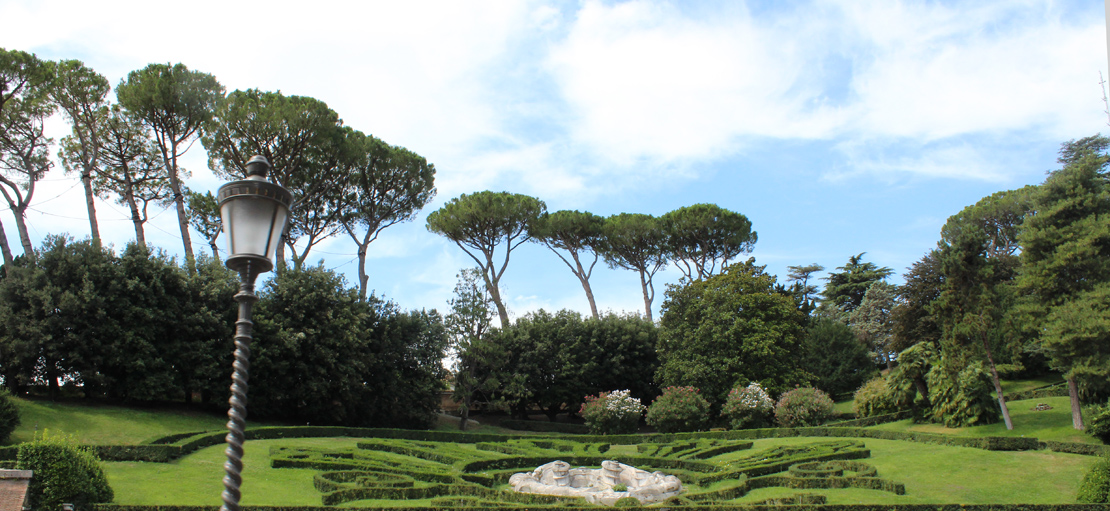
92,423
1054,424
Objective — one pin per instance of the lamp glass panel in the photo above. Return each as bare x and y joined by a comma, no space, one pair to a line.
248,224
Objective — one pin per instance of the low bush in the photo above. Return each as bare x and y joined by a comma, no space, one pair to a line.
679,409
64,472
9,415
1095,488
748,407
1098,422
805,406
875,398
612,413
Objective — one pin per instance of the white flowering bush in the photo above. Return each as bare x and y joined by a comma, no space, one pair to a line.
612,413
748,407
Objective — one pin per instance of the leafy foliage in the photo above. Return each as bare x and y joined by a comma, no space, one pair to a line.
576,233
1098,421
805,406
9,415
872,321
481,222
846,288
553,360
1095,487
679,409
875,397
355,363
63,472
835,357
730,328
635,241
748,407
703,236
612,413
961,396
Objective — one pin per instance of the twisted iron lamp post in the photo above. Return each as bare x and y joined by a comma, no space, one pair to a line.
255,212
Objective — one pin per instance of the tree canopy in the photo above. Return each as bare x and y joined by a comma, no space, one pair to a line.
481,222
578,234
730,329
701,237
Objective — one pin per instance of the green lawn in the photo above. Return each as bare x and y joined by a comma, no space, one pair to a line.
93,423
1054,424
932,474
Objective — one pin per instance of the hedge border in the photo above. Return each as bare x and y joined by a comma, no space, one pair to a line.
161,453
676,507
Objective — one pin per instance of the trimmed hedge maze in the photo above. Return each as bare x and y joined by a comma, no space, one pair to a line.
476,475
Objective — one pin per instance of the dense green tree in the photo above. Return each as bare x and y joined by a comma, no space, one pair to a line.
25,104
845,288
554,361
176,103
799,276
481,222
728,330
355,362
204,216
1065,272
1073,151
872,322
82,94
387,185
468,325
576,233
835,358
635,241
307,147
703,236
58,314
912,321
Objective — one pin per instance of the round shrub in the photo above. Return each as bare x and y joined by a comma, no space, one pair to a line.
9,415
612,413
1098,422
805,406
875,398
748,407
679,409
1095,488
64,472
627,502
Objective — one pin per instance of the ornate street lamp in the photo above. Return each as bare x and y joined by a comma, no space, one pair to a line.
254,213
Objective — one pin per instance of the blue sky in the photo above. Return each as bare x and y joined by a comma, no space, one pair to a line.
837,127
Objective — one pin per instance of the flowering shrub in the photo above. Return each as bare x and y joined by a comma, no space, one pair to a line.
679,409
612,413
802,407
748,407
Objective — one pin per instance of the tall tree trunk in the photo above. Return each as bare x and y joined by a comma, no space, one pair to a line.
90,204
1076,410
182,215
647,298
997,385
922,389
502,312
136,219
584,278
4,248
21,226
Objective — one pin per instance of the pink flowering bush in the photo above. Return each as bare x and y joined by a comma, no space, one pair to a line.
612,413
748,407
679,409
803,407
